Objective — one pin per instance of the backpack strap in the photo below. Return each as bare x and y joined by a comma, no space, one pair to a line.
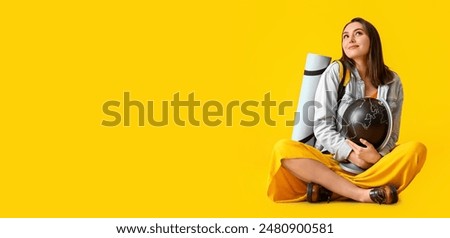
344,77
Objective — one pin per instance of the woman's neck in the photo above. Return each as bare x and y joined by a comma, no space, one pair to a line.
361,66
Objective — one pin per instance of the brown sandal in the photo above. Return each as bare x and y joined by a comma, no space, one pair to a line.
384,195
316,193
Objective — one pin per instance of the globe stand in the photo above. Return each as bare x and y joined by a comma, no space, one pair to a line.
352,168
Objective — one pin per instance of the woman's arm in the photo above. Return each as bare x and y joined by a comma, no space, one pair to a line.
325,128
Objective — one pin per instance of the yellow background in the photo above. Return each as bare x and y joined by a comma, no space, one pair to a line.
62,60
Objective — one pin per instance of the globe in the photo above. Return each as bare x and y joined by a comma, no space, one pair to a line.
367,118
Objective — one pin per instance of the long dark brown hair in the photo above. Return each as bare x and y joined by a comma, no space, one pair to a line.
377,71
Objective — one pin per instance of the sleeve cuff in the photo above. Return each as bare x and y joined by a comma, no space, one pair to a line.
343,152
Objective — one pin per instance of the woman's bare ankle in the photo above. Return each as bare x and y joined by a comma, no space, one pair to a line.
364,196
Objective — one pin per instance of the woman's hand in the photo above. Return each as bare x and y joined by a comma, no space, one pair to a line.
368,154
357,161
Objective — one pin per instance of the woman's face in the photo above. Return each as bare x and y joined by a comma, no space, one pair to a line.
355,41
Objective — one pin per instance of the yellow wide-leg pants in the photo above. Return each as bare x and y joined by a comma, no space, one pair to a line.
399,168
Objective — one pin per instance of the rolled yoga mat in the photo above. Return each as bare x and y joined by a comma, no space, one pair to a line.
304,116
